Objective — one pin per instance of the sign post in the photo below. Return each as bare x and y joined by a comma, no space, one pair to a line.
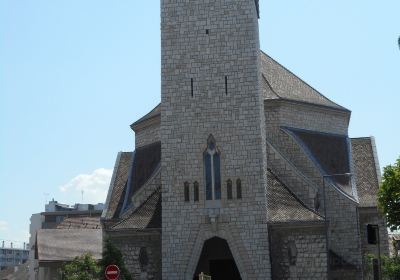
112,272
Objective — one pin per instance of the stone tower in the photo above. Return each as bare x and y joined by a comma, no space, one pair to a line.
213,163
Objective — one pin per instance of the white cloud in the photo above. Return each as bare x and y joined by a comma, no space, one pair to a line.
3,226
94,186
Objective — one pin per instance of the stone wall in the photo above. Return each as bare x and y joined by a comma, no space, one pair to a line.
148,134
298,252
132,244
343,235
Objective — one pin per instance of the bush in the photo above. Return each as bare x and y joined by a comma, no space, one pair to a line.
84,267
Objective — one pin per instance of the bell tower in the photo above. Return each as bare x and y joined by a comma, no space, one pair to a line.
213,140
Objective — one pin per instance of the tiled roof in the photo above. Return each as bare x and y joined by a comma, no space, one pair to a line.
147,215
288,86
284,206
54,245
366,170
118,184
82,222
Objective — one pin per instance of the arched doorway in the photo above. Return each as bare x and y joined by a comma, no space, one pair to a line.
217,261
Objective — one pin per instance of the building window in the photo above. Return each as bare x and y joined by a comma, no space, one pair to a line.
186,191
229,189
372,234
239,189
212,167
196,191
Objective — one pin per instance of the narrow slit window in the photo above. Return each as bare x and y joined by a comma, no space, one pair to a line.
191,87
226,85
229,189
207,31
196,191
239,189
186,192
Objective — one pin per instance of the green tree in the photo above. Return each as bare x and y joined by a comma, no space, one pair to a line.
389,195
390,266
112,255
84,267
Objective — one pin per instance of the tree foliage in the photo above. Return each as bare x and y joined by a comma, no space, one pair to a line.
389,195
390,266
84,267
112,255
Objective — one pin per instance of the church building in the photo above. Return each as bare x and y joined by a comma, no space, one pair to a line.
243,171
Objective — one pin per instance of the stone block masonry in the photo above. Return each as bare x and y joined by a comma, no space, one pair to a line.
211,86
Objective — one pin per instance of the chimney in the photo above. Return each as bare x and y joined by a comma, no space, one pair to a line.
24,246
11,245
3,244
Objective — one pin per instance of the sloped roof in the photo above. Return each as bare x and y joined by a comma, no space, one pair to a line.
155,112
366,168
147,215
54,245
284,206
147,159
287,86
88,222
118,184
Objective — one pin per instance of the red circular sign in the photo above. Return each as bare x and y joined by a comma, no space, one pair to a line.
112,272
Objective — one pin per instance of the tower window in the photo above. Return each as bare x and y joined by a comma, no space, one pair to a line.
191,87
196,191
239,189
207,31
212,167
229,189
226,85
186,191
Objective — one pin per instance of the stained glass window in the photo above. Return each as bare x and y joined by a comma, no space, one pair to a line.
212,167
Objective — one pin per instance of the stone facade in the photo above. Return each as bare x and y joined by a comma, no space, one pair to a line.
232,117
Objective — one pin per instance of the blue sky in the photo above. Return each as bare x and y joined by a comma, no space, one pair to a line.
75,74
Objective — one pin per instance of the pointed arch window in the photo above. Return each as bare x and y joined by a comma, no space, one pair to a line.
212,167
196,191
229,189
239,189
186,191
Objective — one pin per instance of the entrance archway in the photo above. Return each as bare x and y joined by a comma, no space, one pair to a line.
217,261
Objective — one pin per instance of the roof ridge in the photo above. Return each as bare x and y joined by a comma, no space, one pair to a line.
304,82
